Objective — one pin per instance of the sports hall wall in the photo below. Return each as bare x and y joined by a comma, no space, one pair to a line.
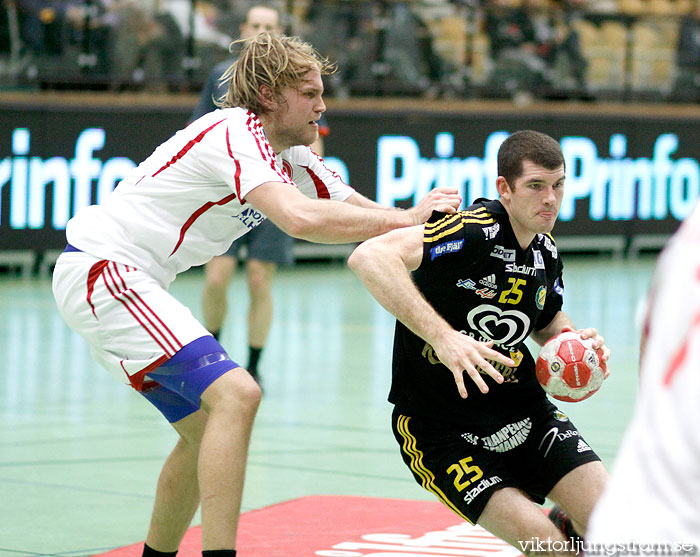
633,172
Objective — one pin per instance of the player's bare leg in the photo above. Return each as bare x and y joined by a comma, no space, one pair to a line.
217,276
231,402
578,492
177,494
260,275
514,518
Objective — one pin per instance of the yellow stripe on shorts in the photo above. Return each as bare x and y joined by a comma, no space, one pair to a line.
416,456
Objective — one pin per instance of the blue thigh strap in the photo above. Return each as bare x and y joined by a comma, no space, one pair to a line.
185,376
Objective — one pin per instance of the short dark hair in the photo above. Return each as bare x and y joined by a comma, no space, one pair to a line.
529,145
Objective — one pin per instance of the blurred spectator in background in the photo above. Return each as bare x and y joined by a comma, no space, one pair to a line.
345,33
534,47
557,42
204,17
408,48
90,42
6,6
50,27
147,44
687,86
379,45
518,66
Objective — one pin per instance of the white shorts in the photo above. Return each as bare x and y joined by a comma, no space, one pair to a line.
132,324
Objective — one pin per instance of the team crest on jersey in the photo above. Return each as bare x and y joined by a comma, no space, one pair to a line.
540,297
559,415
491,231
452,246
287,168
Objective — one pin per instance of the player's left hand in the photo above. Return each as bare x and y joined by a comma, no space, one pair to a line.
598,342
445,200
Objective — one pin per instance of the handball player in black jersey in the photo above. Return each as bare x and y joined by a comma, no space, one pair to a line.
474,425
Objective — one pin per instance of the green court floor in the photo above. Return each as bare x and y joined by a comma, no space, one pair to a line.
80,453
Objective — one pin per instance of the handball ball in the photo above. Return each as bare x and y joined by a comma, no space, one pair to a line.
569,368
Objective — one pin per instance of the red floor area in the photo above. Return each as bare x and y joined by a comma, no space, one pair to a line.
340,526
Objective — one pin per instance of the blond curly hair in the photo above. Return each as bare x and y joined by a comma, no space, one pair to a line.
270,59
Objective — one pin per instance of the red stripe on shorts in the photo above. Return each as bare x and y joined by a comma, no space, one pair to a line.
137,378
139,300
93,275
123,298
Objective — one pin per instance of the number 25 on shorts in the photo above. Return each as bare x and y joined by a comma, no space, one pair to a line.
465,473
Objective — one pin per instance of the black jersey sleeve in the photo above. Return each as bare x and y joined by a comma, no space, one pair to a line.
555,282
447,235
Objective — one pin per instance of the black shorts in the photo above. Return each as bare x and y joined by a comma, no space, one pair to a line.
464,467
265,242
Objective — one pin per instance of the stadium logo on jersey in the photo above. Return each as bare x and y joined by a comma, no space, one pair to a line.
520,269
499,252
540,297
491,231
539,260
481,486
448,247
506,328
549,245
469,284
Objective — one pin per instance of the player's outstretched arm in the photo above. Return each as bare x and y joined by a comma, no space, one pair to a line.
384,264
445,200
331,222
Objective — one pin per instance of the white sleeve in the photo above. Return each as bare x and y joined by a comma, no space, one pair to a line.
313,178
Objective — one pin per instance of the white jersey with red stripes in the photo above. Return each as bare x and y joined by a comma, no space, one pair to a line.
654,492
186,202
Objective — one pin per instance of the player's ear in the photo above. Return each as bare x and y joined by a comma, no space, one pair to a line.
267,99
502,187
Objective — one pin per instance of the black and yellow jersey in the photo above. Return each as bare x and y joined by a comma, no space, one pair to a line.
476,275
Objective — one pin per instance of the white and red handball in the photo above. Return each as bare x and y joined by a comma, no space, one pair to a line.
569,368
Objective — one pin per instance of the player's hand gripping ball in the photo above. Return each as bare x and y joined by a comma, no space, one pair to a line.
569,368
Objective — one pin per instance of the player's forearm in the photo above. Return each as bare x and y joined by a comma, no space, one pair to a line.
333,222
385,276
558,323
